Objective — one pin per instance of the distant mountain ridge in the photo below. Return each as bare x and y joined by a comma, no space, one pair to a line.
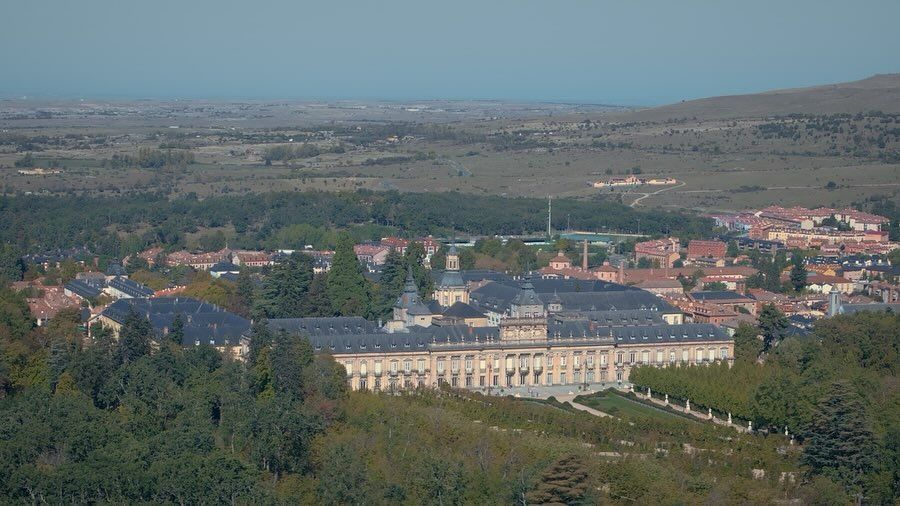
880,92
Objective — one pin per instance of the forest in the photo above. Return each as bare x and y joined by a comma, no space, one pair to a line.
836,390
120,225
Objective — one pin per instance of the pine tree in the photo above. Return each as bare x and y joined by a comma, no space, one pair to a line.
393,274
176,332
772,325
564,482
134,338
798,273
284,291
839,441
347,288
245,293
316,302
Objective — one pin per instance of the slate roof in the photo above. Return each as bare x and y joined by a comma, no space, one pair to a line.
129,287
462,310
714,295
463,338
115,270
874,307
451,279
324,326
410,299
204,323
224,266
608,296
83,289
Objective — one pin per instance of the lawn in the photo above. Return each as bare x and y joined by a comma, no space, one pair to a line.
622,407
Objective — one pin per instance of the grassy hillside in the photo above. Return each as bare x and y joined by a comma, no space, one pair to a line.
877,93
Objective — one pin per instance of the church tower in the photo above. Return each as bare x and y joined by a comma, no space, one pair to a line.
527,320
451,288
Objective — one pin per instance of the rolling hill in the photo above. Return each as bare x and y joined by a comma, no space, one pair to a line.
877,93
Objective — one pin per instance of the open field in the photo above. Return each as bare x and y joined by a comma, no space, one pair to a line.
724,162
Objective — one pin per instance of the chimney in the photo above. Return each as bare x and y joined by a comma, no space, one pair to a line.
584,256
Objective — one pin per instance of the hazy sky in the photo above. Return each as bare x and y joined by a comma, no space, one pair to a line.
625,51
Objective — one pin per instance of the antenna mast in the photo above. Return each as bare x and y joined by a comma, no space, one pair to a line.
549,216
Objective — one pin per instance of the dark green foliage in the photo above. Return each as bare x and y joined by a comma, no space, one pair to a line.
134,338
347,289
839,441
284,290
176,333
836,389
798,273
11,267
772,325
40,223
564,482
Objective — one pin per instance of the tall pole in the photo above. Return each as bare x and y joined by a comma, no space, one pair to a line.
549,216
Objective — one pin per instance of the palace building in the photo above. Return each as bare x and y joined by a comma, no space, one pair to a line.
539,332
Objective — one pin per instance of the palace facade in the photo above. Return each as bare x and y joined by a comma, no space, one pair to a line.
579,334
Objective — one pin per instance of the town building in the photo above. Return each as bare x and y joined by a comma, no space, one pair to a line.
714,249
660,252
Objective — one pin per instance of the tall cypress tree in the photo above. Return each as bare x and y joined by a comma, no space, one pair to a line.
798,273
393,274
347,288
176,333
839,440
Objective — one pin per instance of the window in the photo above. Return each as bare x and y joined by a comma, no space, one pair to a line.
481,381
603,359
562,361
645,357
407,366
496,380
496,364
603,375
549,378
590,376
377,384
454,365
590,361
440,366
576,377
699,355
349,367
632,358
510,364
482,365
469,361
393,367
421,366
618,375
659,356
363,368
724,353
576,361
562,379
523,362
468,381
363,384
684,355
620,358
454,382
672,356
538,362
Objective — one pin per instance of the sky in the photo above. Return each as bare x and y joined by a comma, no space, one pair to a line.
627,52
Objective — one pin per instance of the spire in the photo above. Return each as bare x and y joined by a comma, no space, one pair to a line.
410,286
